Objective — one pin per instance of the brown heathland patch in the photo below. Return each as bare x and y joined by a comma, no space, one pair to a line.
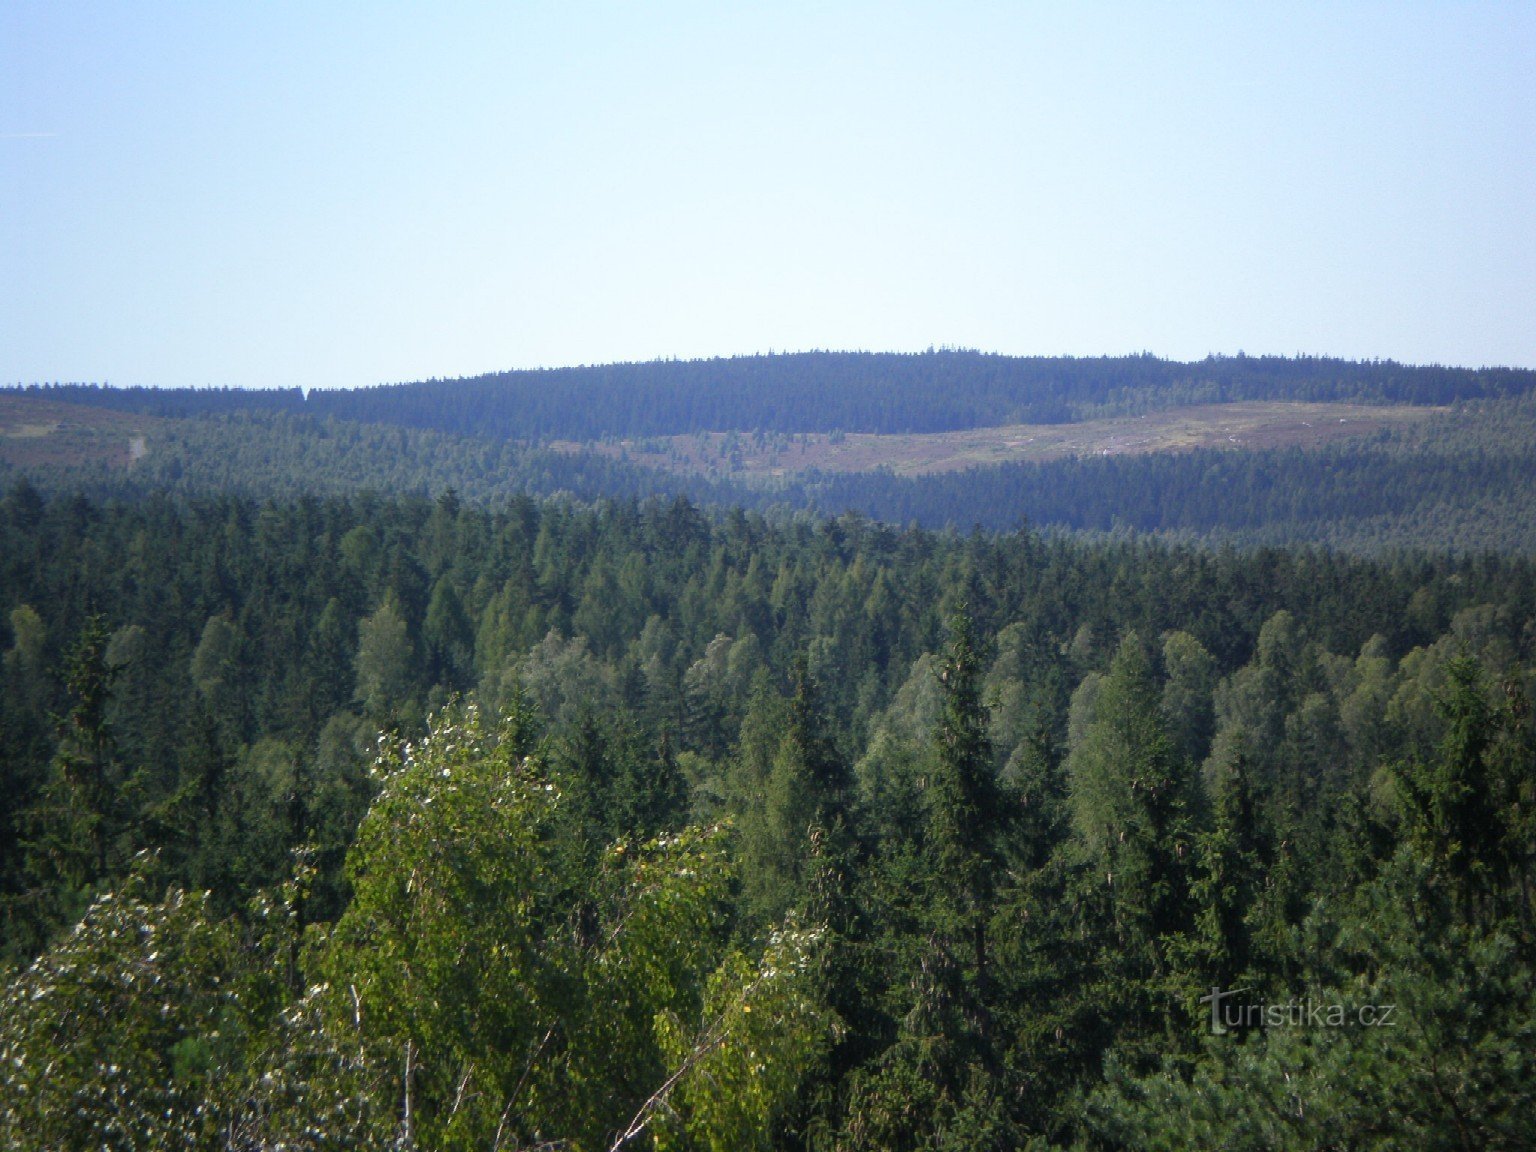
43,433
1251,425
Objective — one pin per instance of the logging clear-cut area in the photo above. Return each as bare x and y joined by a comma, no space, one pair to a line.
1250,425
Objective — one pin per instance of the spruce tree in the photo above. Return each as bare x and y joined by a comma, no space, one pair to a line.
69,832
965,813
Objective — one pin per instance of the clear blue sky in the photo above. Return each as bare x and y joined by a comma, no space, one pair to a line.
343,194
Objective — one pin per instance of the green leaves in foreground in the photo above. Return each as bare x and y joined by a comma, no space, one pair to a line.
115,1037
486,988
534,997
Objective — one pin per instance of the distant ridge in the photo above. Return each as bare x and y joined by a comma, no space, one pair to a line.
935,391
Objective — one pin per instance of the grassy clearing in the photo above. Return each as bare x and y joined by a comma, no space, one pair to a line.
41,433
1244,425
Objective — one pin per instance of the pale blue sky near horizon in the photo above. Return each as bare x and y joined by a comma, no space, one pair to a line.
345,194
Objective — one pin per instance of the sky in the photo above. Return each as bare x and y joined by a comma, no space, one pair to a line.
323,195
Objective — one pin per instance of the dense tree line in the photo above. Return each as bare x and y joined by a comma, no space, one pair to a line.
256,455
1361,496
937,391
728,831
1463,481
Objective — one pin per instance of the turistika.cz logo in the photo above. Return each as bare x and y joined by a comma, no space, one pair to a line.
1302,1012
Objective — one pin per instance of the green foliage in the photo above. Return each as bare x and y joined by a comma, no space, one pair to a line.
833,392
1228,888
1450,1068
521,989
384,661
1191,672
1131,800
1462,479
70,833
764,1026
1464,808
128,1033
511,930
966,819
214,660
448,637
798,801
965,811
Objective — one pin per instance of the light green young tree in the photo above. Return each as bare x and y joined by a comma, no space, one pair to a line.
213,661
127,1033
384,658
503,993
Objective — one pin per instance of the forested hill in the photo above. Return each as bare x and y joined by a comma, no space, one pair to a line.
1459,477
934,391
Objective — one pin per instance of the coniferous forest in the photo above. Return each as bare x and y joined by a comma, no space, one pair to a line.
1463,479
367,785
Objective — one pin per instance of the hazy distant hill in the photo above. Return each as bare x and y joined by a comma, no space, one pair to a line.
1461,477
830,391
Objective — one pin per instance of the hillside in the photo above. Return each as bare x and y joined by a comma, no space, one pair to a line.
937,391
1363,457
1254,425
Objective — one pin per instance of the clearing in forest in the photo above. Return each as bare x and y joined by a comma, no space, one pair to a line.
1248,424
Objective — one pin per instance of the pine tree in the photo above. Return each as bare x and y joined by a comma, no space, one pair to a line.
1131,798
1231,857
69,831
449,638
803,824
965,812
1453,803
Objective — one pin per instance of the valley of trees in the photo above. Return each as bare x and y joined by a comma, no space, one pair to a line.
341,820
